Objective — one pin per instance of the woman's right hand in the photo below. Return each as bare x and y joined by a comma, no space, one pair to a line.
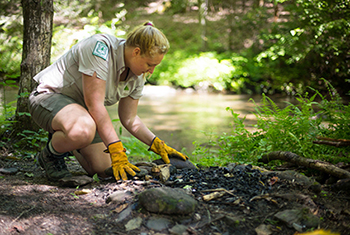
120,163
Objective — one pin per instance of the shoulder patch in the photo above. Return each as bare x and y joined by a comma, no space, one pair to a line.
101,50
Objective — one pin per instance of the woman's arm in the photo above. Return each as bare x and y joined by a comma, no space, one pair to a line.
127,110
127,113
94,95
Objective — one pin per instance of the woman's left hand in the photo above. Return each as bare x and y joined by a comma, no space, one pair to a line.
159,147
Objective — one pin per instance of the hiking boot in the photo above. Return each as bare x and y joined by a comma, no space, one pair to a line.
54,166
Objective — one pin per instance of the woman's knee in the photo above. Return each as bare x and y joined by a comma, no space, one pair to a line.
83,130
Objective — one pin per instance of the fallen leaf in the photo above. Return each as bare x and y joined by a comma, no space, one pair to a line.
120,208
82,192
273,180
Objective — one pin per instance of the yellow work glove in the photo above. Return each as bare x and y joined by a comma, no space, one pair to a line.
320,232
159,147
120,163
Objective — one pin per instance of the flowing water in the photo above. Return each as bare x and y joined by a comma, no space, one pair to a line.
182,117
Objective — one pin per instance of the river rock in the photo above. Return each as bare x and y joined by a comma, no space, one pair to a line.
163,172
124,214
8,171
75,181
298,217
133,224
178,163
119,197
263,229
158,224
178,229
167,200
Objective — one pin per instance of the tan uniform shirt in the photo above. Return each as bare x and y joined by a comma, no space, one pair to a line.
101,53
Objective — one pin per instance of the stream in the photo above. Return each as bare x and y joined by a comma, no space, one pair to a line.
181,117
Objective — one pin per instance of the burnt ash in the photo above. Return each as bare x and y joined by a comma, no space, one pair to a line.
242,182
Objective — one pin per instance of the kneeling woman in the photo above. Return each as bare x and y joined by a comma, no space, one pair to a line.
69,102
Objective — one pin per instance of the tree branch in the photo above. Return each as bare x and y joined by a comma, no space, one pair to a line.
314,164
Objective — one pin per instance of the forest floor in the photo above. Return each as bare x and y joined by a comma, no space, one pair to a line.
30,204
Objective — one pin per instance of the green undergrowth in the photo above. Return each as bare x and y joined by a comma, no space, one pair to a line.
137,151
292,128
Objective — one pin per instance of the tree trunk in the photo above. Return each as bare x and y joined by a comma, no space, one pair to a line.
37,35
231,22
276,13
203,11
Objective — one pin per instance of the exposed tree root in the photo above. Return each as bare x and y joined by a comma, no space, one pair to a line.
301,161
332,142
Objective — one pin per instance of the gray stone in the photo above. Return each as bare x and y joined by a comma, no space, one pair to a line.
125,213
8,171
141,173
178,229
133,224
263,229
178,163
158,224
342,184
164,174
119,197
75,181
301,217
167,200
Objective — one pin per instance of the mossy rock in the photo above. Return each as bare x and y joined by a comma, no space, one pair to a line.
167,200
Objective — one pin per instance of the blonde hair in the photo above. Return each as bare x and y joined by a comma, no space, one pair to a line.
149,39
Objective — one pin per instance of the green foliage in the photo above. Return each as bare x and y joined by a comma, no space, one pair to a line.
137,150
336,115
186,72
289,129
10,46
7,111
65,37
237,146
292,128
306,44
96,178
312,44
31,141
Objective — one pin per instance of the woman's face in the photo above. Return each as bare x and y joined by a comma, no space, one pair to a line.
143,64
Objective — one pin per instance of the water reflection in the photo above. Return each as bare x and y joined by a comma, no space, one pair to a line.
181,117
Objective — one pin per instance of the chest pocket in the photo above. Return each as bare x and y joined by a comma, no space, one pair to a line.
125,89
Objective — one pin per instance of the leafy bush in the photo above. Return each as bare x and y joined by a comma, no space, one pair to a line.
293,128
10,46
202,70
312,44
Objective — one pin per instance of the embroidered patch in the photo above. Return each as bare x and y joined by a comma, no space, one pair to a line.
126,88
101,50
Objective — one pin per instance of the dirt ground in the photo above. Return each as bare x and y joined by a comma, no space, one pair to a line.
29,204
